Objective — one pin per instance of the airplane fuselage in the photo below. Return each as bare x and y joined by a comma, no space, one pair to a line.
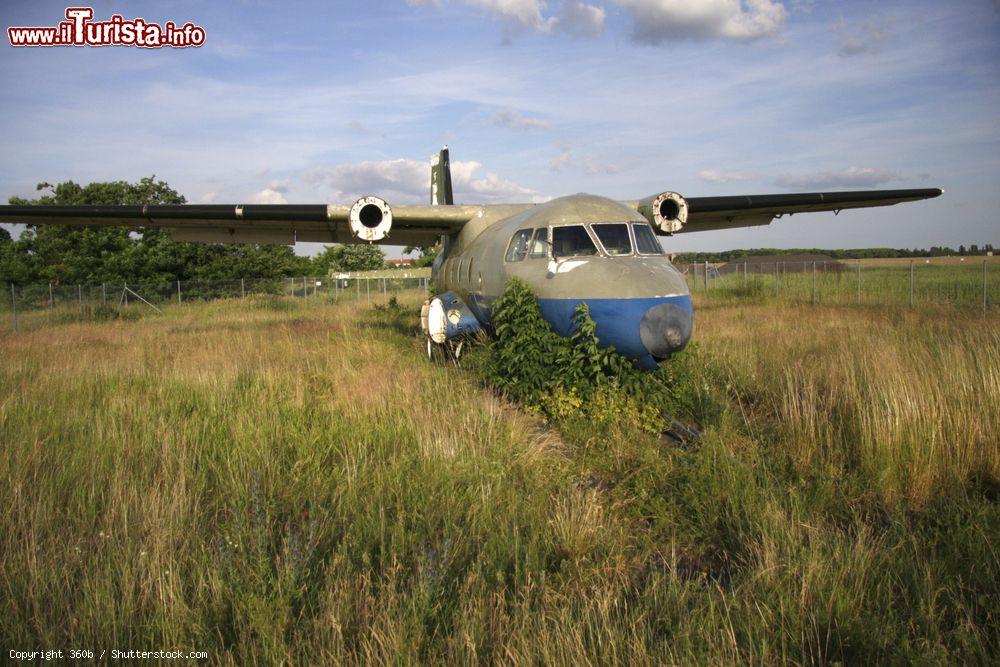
571,250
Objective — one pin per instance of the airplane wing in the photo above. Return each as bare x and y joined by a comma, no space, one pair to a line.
370,219
670,213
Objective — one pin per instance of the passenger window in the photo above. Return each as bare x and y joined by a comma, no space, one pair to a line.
571,240
614,238
518,246
540,244
645,239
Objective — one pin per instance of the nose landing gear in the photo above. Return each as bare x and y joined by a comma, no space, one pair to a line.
448,351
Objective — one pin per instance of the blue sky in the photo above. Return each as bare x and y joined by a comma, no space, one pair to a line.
323,102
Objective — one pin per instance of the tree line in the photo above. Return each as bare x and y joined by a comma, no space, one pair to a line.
62,254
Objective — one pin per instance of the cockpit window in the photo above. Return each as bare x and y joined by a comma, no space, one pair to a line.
645,240
518,247
540,244
614,237
571,240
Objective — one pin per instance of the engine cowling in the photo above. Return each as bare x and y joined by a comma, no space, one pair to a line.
446,316
666,211
370,218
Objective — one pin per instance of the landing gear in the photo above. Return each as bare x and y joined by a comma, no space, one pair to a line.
450,350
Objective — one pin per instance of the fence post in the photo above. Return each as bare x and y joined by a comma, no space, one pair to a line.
305,292
368,289
776,278
706,275
179,293
814,283
911,283
984,287
52,301
243,288
859,281
13,305
125,292
104,294
79,296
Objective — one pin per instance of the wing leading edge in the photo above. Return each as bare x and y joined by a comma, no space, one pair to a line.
710,213
281,224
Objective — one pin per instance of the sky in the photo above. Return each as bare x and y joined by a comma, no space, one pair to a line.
323,102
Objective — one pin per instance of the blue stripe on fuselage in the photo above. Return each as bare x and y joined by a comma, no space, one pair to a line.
617,320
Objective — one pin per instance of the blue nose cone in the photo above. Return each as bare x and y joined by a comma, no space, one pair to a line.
643,329
665,328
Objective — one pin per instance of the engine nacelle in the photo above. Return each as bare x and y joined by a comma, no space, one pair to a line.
667,211
370,219
446,316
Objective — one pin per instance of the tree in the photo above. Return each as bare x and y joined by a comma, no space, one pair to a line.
427,254
76,254
353,257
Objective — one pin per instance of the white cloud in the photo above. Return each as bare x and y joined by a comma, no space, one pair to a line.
590,166
279,186
716,176
489,189
523,14
563,160
399,179
515,120
580,19
844,178
208,198
268,196
575,17
656,21
408,181
868,37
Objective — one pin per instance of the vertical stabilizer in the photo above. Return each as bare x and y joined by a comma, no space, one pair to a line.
441,179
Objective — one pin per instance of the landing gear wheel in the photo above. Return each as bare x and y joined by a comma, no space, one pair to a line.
444,352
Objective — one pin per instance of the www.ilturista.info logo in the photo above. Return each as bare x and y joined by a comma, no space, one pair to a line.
79,30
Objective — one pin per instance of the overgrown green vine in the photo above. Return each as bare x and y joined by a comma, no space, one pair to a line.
562,377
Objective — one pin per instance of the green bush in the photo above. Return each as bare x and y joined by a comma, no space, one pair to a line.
563,377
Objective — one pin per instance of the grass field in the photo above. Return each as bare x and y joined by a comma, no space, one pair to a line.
268,482
970,282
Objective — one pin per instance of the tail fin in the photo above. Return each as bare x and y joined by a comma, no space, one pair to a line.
441,179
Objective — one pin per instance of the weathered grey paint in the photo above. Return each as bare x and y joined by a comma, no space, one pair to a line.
475,268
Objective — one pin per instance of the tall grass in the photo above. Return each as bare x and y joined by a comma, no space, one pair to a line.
276,483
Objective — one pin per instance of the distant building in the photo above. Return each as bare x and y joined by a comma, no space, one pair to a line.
397,263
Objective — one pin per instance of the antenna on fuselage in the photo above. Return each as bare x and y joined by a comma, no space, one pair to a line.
441,179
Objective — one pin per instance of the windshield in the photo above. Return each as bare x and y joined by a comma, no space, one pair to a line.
540,244
571,240
645,240
518,247
614,238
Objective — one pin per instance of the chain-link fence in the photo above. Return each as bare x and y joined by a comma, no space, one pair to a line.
966,284
28,306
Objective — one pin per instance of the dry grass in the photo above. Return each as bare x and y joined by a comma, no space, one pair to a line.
908,398
279,484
